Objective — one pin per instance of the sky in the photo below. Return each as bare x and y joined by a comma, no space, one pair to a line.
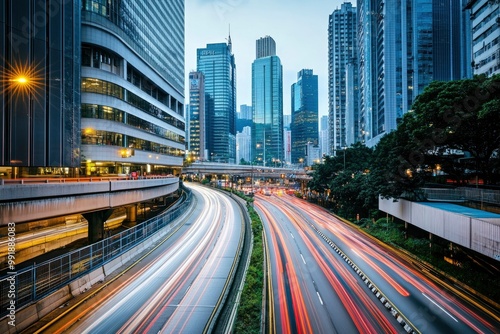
299,28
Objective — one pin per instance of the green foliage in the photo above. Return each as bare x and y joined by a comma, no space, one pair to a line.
249,311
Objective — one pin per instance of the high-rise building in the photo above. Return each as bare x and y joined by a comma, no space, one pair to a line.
245,112
342,50
304,124
197,116
40,87
403,46
244,144
267,104
265,47
244,118
323,136
132,86
485,18
217,63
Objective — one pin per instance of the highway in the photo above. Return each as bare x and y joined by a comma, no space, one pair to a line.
327,277
175,289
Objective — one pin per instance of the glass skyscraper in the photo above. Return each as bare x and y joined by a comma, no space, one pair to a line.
132,86
403,46
40,87
217,63
267,104
304,125
197,127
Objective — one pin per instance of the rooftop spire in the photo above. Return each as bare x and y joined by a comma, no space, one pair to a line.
229,44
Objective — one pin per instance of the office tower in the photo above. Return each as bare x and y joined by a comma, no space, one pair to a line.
323,136
342,50
485,35
132,86
304,124
197,116
40,85
287,143
312,156
287,121
403,46
265,47
245,112
244,144
216,61
244,118
267,104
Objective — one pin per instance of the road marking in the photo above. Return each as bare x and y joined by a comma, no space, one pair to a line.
292,235
442,309
320,300
302,258
355,252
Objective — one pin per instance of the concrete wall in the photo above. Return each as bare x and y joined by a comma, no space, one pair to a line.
481,235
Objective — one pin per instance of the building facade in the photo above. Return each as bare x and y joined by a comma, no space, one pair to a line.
244,144
304,125
132,87
40,79
217,63
323,136
265,47
197,116
342,50
403,46
485,17
267,106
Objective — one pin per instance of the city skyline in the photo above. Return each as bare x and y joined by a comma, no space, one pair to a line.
301,38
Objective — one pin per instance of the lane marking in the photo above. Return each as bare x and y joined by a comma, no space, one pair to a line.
355,252
442,309
320,300
302,258
292,235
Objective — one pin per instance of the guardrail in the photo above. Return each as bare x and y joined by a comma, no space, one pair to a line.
33,283
40,180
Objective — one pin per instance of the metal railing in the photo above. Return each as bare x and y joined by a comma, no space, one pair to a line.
33,283
463,194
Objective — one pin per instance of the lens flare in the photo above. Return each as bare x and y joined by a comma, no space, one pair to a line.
20,79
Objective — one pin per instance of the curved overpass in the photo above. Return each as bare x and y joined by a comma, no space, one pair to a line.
26,200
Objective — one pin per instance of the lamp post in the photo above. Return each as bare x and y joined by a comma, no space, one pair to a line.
343,149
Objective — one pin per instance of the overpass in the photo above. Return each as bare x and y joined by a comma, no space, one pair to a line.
32,199
219,169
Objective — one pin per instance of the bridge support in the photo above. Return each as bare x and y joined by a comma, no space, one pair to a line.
131,215
96,221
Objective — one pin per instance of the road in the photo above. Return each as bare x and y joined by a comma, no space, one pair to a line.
327,277
178,287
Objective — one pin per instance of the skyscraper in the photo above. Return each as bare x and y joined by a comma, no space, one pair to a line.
40,87
244,144
265,47
323,136
304,125
132,86
485,35
197,115
217,63
403,46
342,50
267,104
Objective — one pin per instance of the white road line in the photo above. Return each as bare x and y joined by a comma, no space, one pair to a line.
302,258
320,300
292,235
355,252
442,309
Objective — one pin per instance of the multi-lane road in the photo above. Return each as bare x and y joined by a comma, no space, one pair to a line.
327,277
179,286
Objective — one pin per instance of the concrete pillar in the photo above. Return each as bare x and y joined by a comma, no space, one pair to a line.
96,221
131,215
